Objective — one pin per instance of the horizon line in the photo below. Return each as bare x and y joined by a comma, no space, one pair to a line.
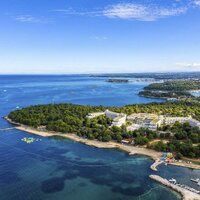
99,73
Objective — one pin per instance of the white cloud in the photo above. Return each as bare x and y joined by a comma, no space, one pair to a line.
30,19
99,38
141,12
196,2
194,65
71,11
146,10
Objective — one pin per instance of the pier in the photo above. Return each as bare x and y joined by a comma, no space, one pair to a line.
186,192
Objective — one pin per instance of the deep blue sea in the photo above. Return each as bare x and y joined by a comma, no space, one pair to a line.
60,169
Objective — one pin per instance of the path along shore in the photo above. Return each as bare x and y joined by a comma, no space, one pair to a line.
186,194
131,150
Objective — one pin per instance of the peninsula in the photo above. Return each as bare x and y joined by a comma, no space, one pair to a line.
136,129
173,89
117,80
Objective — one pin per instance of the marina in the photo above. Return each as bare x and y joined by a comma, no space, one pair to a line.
188,193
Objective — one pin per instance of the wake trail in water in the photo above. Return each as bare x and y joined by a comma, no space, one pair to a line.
7,129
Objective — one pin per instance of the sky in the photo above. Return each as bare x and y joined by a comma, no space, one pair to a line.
99,36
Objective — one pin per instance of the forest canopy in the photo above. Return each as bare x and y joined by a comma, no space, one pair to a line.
175,85
178,89
70,118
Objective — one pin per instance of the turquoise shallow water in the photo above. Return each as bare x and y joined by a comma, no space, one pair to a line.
197,94
55,168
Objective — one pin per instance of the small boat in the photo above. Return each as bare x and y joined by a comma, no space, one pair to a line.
172,180
197,180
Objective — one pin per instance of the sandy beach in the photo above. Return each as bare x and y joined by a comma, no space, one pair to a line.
131,150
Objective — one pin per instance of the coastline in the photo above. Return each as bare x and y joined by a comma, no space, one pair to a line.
167,98
194,91
186,194
161,98
131,150
152,97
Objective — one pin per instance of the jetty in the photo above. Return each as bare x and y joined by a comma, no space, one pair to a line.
186,192
156,164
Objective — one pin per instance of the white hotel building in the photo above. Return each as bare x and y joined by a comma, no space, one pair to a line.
118,118
145,120
190,120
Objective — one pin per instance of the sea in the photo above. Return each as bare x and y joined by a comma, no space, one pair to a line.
60,169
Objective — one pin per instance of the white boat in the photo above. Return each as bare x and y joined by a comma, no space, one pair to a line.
197,180
172,180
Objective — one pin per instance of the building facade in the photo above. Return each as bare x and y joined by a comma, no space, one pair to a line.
93,115
145,120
